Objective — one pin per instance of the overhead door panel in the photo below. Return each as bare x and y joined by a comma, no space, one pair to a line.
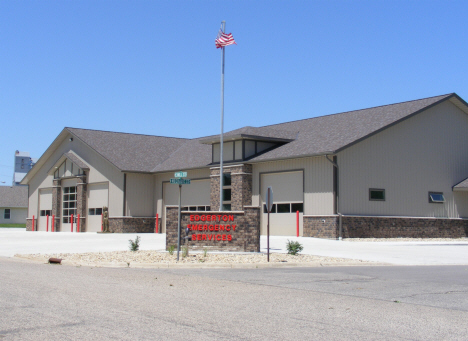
98,197
288,198
45,208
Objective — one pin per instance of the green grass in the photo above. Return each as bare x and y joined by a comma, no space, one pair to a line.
12,225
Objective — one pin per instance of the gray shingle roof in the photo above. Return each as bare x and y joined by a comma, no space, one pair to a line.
463,184
313,136
129,152
15,196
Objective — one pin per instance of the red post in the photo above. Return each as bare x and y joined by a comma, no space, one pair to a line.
78,224
72,223
157,221
53,223
33,224
297,223
47,224
102,223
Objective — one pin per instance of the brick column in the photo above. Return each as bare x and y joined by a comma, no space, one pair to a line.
241,186
81,195
56,203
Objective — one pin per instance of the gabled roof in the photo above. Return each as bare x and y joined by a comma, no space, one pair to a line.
13,196
461,186
129,152
309,137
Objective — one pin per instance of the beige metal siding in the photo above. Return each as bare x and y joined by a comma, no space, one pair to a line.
17,215
139,195
318,182
428,152
100,170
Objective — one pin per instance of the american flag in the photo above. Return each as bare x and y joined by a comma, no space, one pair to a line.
224,39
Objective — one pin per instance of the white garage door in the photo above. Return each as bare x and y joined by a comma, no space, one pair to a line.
98,197
45,209
288,198
195,196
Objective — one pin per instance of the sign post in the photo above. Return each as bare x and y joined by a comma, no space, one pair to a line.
269,205
179,181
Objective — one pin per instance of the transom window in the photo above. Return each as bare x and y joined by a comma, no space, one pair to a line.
67,169
95,211
227,191
241,149
69,204
45,213
291,207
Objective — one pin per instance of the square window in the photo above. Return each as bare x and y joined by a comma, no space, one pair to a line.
66,190
226,194
297,207
201,208
192,208
65,220
226,179
226,207
283,208
98,211
208,208
91,211
436,197
273,208
42,213
66,197
376,194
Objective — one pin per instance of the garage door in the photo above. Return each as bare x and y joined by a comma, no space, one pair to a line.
195,196
98,197
45,209
288,198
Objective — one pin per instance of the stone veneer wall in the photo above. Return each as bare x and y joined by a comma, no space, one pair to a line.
245,238
387,227
384,227
29,224
132,225
241,186
56,203
320,227
81,195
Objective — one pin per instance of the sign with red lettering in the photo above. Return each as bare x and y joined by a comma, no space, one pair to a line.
212,227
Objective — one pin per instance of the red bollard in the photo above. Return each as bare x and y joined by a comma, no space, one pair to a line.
156,227
32,224
78,224
53,223
71,223
297,223
47,224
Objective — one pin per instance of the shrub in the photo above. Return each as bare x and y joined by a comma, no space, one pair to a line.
294,247
134,245
185,252
171,249
205,251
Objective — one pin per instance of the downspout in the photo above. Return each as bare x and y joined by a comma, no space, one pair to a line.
340,217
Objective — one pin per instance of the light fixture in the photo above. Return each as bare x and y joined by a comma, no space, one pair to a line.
70,139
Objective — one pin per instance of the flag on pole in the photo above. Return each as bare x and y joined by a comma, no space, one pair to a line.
224,39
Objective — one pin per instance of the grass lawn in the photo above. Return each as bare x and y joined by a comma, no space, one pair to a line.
13,225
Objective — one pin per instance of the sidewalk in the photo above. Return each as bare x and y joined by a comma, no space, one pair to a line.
18,241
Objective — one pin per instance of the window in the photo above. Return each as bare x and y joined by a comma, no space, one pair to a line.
436,197
45,213
285,207
273,208
376,194
68,169
227,191
6,214
297,207
69,204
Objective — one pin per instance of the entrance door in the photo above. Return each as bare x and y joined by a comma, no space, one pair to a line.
45,208
288,198
98,197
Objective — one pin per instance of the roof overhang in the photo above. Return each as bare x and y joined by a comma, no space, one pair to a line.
217,139
462,186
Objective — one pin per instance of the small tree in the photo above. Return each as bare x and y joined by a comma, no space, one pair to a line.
134,244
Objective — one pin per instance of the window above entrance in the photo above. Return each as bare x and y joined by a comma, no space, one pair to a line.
68,169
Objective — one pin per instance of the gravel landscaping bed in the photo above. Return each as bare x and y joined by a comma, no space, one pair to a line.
155,257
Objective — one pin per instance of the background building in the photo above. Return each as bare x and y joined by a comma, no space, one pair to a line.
23,163
13,204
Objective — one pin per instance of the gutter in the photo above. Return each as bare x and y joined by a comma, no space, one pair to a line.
340,216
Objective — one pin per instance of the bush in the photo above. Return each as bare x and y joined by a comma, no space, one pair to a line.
294,247
134,245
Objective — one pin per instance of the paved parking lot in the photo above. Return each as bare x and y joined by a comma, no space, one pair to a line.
18,241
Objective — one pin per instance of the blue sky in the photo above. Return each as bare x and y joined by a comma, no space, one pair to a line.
151,67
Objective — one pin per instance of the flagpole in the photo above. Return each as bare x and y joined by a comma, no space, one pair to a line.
223,28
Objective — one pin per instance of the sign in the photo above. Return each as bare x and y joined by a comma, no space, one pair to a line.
269,200
180,181
180,174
